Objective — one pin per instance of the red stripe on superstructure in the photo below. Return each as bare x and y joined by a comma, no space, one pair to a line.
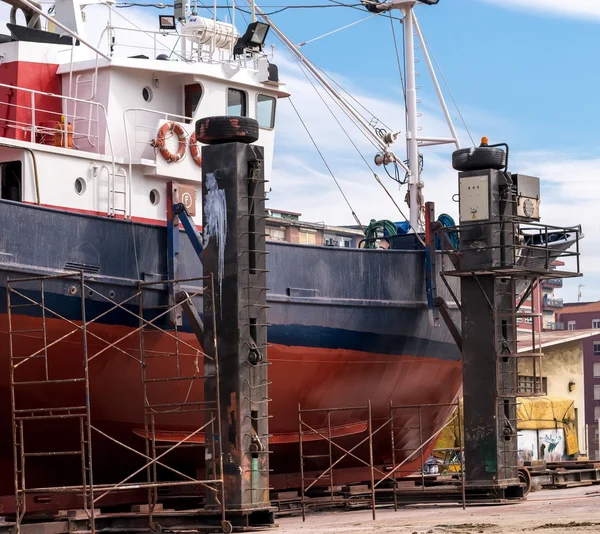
15,105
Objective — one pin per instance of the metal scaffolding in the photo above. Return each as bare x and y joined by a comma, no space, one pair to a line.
52,351
403,421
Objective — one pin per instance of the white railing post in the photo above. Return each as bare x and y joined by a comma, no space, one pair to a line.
33,140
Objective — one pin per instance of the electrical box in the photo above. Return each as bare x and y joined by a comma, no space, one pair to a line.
527,190
179,10
474,198
486,199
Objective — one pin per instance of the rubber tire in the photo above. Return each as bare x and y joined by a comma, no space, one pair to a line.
218,130
477,159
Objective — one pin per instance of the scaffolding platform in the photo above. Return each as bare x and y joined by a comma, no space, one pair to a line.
62,406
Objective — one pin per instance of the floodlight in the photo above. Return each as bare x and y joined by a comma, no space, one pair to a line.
254,38
166,22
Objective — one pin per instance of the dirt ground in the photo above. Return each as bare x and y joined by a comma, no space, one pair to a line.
574,510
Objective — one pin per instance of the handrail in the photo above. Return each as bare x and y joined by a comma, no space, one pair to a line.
203,52
34,128
63,98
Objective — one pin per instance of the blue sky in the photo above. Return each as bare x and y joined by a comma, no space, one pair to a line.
523,72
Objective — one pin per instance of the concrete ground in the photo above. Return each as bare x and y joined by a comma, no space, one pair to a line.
574,510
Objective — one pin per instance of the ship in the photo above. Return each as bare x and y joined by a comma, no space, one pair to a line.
90,140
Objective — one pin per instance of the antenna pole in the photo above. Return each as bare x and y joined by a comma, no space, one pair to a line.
253,10
412,141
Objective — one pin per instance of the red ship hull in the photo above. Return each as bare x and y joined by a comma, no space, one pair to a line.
314,378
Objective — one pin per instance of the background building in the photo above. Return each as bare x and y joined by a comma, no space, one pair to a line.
586,316
546,303
286,226
562,373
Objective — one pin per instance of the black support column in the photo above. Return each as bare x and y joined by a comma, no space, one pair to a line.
233,198
491,458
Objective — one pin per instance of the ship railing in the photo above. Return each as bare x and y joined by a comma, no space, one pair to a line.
153,42
187,51
51,119
536,248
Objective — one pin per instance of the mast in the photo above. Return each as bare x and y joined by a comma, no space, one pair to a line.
413,139
412,143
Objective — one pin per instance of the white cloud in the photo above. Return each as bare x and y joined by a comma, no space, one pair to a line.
582,9
301,181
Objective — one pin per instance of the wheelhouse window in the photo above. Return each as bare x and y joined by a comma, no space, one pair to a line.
193,95
265,111
237,105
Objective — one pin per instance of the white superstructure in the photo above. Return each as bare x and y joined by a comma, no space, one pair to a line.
78,124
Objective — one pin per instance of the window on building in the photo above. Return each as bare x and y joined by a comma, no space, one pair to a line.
519,320
348,243
236,103
596,413
596,392
596,348
275,234
597,370
571,325
307,238
265,111
529,320
525,385
596,324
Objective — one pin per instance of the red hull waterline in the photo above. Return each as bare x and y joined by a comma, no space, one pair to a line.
314,378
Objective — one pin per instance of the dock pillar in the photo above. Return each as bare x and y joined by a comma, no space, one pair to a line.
503,254
233,210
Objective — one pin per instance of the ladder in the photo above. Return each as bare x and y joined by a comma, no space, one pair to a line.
118,194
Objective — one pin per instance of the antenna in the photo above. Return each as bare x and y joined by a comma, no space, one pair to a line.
579,294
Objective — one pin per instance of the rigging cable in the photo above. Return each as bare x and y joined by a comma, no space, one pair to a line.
327,165
398,59
361,8
373,120
302,68
335,31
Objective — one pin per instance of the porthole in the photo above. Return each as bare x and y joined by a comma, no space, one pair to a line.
147,94
154,197
80,186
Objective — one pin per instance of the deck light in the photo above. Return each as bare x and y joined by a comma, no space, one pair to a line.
254,38
166,22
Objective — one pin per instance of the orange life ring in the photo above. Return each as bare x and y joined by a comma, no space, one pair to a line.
168,129
195,150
